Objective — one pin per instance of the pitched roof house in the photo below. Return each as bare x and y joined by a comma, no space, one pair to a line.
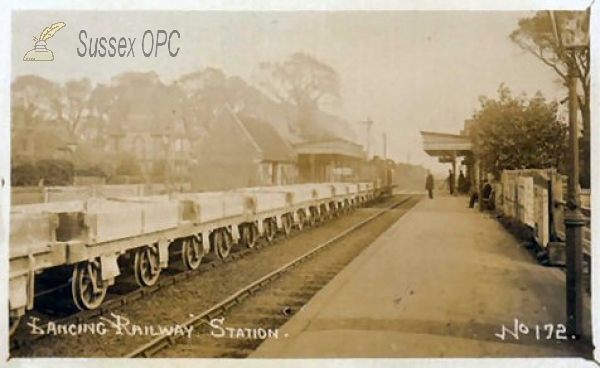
240,151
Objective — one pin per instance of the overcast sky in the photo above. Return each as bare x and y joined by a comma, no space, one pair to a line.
407,71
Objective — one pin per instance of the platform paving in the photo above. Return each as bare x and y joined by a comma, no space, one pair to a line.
441,282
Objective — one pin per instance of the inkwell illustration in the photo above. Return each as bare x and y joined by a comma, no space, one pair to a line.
40,52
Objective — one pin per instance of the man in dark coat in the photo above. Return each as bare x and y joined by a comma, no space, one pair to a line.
487,193
429,184
462,183
451,181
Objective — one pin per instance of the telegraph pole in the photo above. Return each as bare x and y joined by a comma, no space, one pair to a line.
368,123
384,145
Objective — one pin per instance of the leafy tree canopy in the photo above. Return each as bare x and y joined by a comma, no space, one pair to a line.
516,132
304,82
536,35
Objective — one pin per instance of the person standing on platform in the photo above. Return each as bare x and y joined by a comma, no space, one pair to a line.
429,184
451,181
462,183
487,194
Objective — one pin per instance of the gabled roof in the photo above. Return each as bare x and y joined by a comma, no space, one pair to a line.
266,139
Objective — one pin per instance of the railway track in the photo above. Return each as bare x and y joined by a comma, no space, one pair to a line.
260,308
127,294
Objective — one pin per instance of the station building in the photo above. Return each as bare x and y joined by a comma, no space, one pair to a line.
329,160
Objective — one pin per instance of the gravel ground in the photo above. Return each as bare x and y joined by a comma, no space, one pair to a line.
177,303
292,290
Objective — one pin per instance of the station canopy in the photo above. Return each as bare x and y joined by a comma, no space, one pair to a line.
446,145
333,147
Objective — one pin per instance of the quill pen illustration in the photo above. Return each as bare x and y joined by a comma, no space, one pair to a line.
50,31
40,52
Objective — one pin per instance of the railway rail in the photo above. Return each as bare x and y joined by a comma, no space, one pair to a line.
116,300
255,307
88,243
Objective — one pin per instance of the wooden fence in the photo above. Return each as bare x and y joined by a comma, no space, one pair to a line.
537,199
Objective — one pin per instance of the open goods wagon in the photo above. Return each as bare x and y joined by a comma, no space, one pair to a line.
94,238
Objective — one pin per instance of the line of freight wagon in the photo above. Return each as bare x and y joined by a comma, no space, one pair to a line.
91,238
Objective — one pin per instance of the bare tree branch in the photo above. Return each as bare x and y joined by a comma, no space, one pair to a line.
540,57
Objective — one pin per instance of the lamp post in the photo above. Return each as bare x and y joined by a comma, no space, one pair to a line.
572,37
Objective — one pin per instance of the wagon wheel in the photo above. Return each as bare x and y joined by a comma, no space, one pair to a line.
222,244
146,265
287,223
191,252
249,235
270,229
324,213
313,216
301,219
88,289
14,324
333,210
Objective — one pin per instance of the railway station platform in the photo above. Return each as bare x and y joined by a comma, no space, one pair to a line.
441,282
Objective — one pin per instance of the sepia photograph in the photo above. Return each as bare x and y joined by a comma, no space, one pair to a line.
325,184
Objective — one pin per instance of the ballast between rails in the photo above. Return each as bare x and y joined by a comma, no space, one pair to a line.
92,239
163,342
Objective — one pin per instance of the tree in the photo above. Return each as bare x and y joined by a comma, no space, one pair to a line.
102,100
202,92
51,102
23,174
535,35
35,104
206,91
37,96
143,100
512,133
74,104
56,172
302,81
